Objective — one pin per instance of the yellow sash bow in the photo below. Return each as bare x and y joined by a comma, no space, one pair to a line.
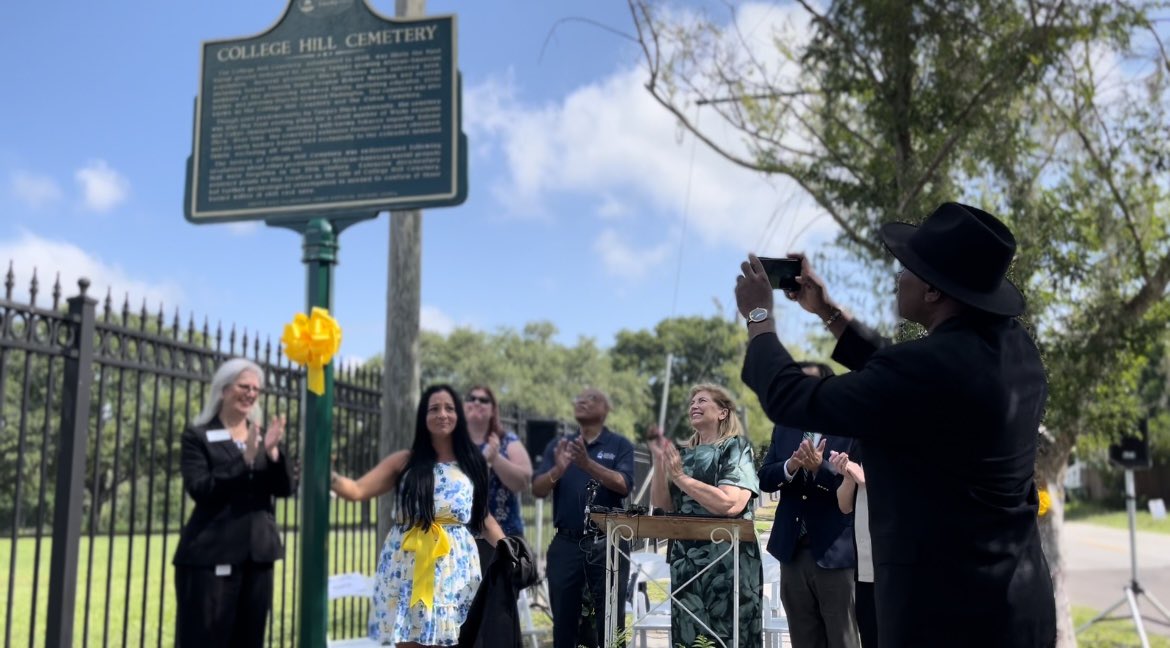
428,546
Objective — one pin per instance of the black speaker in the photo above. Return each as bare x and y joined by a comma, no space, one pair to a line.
538,434
1133,451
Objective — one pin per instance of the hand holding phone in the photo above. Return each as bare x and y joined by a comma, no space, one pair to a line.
782,273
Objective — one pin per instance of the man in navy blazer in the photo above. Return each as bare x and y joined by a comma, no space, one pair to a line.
811,537
950,423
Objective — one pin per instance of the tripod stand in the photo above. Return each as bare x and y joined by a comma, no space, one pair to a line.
1133,589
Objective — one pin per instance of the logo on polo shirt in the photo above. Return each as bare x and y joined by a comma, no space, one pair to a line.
606,455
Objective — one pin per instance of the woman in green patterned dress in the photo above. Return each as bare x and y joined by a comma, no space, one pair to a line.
713,475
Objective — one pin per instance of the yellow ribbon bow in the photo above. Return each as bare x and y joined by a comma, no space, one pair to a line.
311,342
428,546
1045,502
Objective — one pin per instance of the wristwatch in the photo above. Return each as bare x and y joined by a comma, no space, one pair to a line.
757,315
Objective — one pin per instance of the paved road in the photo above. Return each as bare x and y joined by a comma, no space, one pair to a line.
1098,564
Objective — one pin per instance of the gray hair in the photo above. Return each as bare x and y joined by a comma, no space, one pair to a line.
227,374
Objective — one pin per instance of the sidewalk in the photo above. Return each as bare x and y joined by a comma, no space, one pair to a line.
1097,563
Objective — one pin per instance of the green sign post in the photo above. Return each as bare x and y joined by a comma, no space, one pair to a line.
333,115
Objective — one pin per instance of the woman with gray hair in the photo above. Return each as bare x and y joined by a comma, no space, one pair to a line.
223,565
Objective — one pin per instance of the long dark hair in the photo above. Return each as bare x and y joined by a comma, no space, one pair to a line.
416,489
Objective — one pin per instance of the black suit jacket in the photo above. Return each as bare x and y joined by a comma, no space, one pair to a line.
949,424
234,520
812,498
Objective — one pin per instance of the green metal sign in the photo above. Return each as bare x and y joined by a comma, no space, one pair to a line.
335,109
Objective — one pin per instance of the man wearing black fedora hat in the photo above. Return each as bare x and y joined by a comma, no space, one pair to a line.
949,424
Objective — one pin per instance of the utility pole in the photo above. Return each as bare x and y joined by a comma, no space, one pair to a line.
400,378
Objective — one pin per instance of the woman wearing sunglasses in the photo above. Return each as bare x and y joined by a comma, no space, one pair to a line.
508,461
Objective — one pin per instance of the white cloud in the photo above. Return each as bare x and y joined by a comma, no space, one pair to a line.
244,228
613,209
102,187
621,259
34,190
610,139
432,319
49,257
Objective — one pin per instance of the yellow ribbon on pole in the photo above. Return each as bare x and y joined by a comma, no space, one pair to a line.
1045,502
428,546
311,341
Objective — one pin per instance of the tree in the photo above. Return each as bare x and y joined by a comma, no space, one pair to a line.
705,350
888,108
531,372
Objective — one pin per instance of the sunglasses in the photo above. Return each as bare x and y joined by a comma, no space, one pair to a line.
482,400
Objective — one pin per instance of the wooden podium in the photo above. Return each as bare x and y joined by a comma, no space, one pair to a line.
619,527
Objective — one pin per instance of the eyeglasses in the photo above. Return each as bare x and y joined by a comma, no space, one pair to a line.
248,389
587,398
482,400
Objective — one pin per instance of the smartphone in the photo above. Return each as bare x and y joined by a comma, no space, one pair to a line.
782,273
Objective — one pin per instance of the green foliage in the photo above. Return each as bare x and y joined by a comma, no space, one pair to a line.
532,372
1052,116
705,350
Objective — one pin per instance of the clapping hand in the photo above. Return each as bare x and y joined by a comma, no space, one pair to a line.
840,463
252,443
491,449
578,452
671,461
273,438
810,458
562,456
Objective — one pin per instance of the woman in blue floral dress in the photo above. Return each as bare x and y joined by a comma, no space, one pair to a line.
713,475
509,466
428,570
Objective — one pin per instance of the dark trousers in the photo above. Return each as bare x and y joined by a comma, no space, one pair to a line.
574,563
866,615
223,611
819,603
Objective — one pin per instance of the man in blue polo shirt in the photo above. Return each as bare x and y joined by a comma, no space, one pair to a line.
576,556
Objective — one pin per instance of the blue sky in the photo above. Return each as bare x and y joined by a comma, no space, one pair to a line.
586,200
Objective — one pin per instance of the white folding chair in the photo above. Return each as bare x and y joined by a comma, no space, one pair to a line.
347,585
649,566
528,629
775,620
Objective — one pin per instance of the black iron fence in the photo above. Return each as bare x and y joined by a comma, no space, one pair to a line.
94,399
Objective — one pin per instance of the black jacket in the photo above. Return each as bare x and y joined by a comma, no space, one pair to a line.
493,620
234,517
949,423
812,499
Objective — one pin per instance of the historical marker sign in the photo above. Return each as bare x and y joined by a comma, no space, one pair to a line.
335,109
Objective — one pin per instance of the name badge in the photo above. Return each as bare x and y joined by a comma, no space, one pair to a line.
223,570
217,436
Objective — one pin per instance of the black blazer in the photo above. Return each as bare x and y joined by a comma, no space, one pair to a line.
234,520
949,424
812,499
493,621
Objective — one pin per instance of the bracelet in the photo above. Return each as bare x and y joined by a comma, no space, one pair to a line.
833,317
551,479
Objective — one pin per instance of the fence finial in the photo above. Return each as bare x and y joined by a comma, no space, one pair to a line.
9,282
82,283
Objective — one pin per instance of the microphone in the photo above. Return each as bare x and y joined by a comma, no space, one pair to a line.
590,495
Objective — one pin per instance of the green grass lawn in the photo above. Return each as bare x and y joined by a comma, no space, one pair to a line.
126,576
1097,514
1111,634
